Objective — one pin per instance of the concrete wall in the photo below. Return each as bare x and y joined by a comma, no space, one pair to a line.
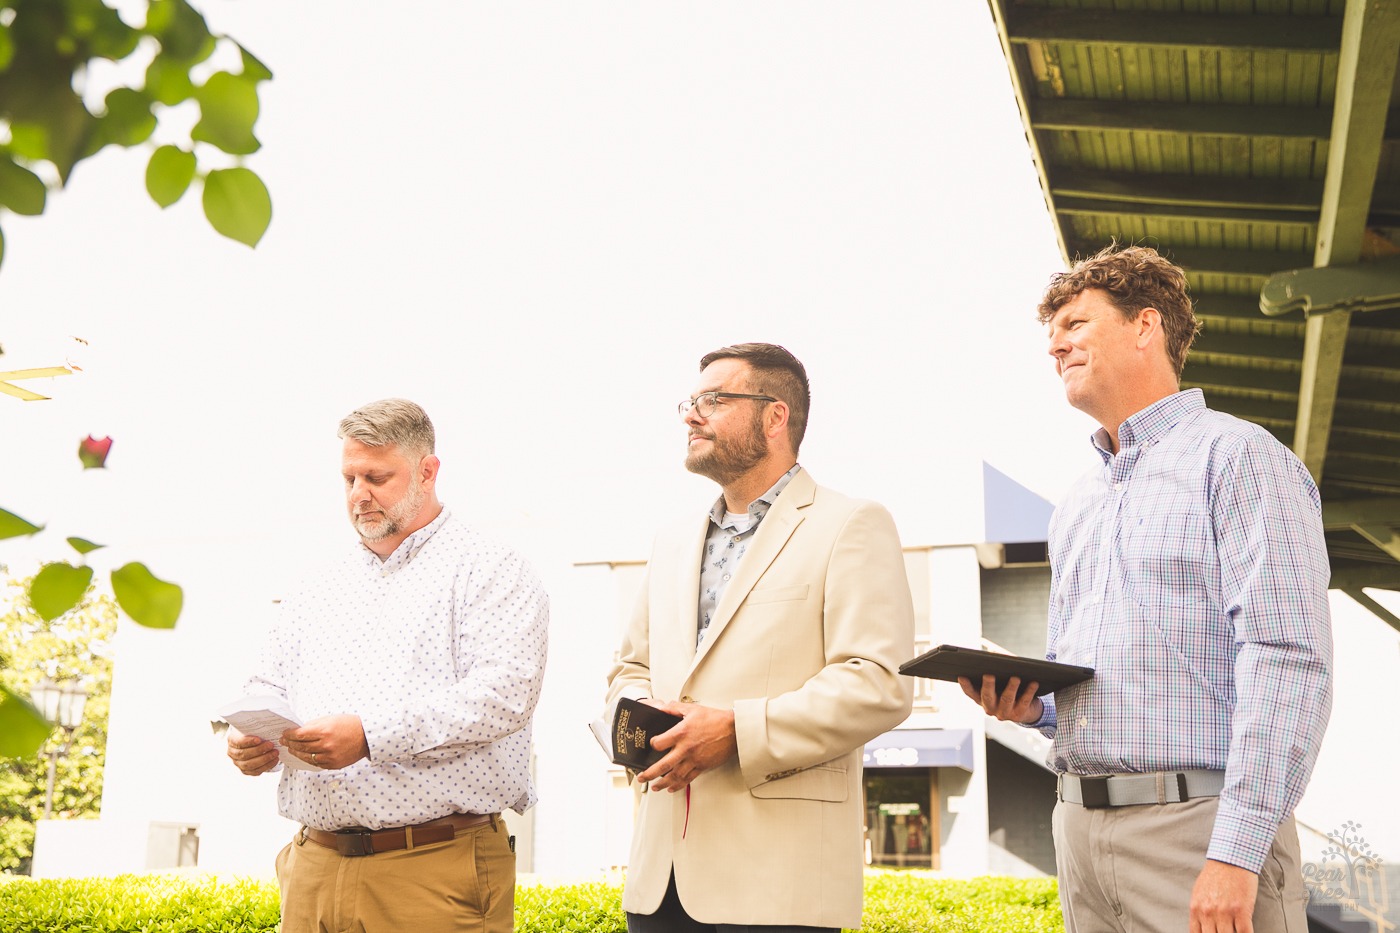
1014,601
1020,800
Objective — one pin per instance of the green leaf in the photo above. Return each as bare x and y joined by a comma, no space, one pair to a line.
22,729
7,49
2,247
29,141
149,600
237,204
106,34
36,91
181,29
168,174
20,189
57,588
84,546
253,69
228,107
168,80
12,526
128,121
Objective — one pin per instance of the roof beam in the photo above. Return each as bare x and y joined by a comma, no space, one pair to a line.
1246,345
1363,471
1383,576
1365,76
1228,120
1387,539
1303,195
1261,33
1237,307
1238,377
1259,263
1344,513
1018,87
1169,212
1380,611
1259,410
1362,445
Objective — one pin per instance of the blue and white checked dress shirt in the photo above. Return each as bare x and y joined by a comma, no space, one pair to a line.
1190,572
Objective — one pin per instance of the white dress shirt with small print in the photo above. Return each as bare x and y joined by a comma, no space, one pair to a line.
440,650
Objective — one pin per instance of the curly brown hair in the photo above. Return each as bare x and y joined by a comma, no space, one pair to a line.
1133,278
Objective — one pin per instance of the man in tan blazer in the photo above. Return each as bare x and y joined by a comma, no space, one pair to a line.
775,625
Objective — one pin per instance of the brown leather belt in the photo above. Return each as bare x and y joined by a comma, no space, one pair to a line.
369,841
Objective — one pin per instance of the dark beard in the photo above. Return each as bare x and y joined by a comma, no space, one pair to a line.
727,460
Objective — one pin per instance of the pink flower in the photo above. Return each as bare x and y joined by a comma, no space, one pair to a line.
93,452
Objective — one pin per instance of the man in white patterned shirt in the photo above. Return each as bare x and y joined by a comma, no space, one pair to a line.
1189,570
414,662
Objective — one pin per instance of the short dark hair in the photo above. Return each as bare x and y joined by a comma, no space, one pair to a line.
1134,278
776,372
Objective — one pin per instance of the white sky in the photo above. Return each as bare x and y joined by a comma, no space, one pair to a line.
533,219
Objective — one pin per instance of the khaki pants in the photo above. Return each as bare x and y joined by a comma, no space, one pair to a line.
1131,869
464,885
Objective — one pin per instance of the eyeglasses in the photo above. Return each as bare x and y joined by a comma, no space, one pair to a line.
706,402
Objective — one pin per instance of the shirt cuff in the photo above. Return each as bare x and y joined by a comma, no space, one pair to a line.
387,738
1241,839
1046,723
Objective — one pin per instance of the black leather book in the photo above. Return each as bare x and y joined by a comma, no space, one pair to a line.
949,662
634,725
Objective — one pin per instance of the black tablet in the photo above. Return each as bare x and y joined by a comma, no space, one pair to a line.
949,662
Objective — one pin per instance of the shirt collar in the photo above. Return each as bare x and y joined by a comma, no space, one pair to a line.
408,548
758,507
1148,426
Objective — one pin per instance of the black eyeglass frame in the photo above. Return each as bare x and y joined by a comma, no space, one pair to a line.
683,408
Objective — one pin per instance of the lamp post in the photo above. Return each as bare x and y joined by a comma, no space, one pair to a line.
61,702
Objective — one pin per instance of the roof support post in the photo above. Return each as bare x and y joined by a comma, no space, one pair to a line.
1365,74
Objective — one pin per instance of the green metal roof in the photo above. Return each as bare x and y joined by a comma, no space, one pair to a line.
1245,139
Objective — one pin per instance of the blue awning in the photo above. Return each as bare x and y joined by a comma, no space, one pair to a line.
921,748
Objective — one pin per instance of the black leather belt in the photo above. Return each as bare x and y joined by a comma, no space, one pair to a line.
354,842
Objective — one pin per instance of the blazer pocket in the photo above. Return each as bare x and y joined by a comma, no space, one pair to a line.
774,594
820,782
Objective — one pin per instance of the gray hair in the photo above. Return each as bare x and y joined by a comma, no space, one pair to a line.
391,421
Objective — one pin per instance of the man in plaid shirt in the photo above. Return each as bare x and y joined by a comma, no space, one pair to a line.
1188,568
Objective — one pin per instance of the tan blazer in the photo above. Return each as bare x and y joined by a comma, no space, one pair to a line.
805,647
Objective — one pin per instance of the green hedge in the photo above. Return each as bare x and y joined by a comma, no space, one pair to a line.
895,902
144,903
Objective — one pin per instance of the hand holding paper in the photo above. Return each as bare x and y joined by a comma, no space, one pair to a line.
266,718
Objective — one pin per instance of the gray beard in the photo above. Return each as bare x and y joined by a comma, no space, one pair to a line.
394,518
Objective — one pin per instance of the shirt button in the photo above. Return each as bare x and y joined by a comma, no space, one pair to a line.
335,785
1083,720
726,576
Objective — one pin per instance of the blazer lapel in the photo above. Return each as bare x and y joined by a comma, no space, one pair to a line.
777,527
689,555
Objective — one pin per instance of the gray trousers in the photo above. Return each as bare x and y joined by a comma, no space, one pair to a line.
1131,869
